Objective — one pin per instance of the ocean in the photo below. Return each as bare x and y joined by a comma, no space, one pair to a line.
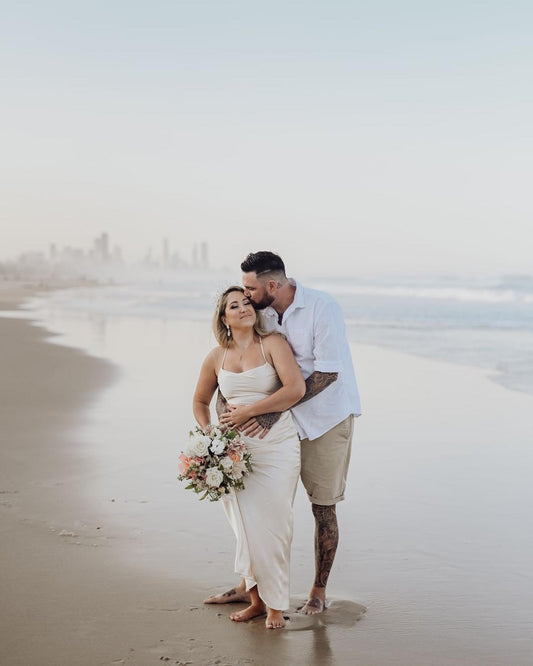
484,322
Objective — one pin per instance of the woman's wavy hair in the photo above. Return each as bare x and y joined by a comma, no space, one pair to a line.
219,328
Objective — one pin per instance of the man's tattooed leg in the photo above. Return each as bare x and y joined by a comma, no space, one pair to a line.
326,542
235,595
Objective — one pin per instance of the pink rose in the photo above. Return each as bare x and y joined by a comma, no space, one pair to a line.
184,463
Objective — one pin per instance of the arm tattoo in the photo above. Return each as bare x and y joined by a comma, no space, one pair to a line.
268,420
221,403
264,420
316,383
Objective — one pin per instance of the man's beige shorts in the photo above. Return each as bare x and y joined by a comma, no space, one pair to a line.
325,463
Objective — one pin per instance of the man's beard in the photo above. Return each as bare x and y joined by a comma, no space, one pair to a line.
264,302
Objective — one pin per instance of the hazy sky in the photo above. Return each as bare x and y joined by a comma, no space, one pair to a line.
350,136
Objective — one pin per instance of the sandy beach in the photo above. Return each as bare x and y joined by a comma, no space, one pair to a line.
105,558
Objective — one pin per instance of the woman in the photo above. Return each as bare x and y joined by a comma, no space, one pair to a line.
257,374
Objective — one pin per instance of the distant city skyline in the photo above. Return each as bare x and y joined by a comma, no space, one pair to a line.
101,253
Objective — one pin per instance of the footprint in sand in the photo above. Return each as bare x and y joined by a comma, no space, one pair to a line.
339,612
5,502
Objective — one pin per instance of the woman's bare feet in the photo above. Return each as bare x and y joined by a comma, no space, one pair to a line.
234,595
253,610
275,619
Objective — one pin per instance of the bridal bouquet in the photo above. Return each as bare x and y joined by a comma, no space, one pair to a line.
215,460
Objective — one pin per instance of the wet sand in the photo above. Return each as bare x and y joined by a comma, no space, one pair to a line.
105,558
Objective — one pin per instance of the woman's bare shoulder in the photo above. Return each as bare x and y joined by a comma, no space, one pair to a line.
214,357
274,341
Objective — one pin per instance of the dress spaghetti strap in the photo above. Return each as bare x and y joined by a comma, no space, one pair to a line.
224,357
262,350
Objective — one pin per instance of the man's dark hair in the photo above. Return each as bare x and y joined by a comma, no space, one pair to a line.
263,262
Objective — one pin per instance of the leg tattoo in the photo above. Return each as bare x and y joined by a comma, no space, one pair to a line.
236,594
326,541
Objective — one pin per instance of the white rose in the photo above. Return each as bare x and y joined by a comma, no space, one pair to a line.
218,446
198,445
214,477
226,462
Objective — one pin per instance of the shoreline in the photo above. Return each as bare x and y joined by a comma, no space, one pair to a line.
501,365
108,558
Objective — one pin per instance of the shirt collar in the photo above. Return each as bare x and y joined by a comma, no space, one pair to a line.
299,295
298,302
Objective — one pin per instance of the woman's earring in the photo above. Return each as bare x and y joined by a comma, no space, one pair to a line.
229,331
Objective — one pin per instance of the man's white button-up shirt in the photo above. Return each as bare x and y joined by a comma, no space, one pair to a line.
314,327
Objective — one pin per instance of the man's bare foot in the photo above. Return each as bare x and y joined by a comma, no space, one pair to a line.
312,606
234,595
253,610
275,619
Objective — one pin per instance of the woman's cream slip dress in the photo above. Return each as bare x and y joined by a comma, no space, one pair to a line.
261,514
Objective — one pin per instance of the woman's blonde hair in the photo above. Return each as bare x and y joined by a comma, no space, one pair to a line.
220,329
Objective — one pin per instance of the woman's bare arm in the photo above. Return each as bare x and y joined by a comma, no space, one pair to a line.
205,388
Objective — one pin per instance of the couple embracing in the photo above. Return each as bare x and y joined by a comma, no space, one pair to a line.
281,347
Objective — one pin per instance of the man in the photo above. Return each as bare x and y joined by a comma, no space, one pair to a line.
313,323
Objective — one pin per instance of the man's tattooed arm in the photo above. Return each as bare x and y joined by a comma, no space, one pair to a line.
316,383
221,403
268,420
264,420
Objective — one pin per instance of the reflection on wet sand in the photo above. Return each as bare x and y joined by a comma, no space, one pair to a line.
338,612
324,646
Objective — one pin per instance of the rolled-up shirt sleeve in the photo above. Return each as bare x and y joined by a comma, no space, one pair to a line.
328,330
